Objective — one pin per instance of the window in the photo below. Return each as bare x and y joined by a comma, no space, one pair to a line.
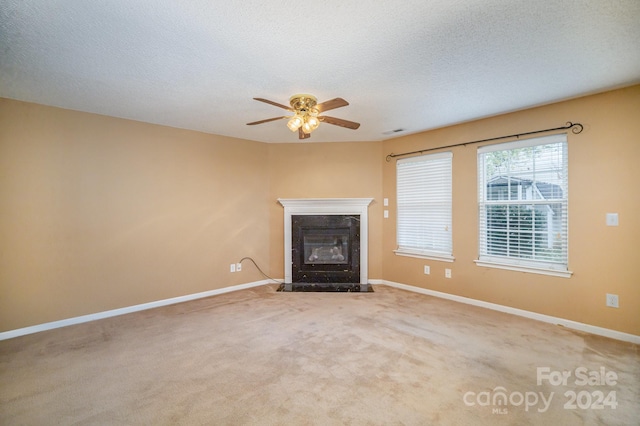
522,200
424,206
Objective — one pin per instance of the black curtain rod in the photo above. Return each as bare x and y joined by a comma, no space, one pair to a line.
575,128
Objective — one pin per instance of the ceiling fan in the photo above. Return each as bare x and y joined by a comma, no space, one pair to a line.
306,114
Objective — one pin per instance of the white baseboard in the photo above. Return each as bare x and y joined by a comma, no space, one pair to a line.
127,310
600,331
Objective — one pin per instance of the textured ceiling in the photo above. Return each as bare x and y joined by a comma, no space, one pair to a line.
401,64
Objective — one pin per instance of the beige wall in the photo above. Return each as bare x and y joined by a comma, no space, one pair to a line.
326,170
98,213
603,177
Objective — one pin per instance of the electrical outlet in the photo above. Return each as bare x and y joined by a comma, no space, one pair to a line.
238,267
427,269
612,300
232,267
447,273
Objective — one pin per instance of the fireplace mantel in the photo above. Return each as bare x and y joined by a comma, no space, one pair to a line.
326,206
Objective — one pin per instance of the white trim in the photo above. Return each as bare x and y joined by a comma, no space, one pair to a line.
332,205
600,331
574,325
424,255
126,310
524,268
327,206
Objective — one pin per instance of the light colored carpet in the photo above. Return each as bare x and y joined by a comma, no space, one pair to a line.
263,357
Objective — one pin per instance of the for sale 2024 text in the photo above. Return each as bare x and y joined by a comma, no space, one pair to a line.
583,377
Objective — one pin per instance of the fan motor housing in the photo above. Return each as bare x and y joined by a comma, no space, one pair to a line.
302,102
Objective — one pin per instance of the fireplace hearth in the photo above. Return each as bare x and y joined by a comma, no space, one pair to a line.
326,244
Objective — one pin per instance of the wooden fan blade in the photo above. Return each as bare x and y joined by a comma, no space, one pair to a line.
302,134
266,121
267,101
340,122
331,104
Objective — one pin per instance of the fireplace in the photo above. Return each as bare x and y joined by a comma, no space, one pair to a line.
326,242
325,249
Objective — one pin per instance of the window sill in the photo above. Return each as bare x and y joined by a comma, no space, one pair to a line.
425,255
523,268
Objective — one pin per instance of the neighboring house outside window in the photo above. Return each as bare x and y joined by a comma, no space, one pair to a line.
522,201
424,206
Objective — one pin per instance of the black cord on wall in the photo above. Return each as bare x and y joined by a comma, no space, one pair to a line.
260,270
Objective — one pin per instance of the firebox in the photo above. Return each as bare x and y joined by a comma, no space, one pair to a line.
325,248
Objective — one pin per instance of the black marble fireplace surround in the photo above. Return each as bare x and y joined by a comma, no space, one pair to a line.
326,244
325,248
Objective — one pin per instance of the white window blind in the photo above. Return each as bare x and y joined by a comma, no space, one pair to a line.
424,206
523,200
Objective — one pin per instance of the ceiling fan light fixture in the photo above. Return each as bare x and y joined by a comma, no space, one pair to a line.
295,123
306,127
313,122
306,114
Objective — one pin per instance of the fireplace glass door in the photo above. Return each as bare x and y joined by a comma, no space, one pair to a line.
326,246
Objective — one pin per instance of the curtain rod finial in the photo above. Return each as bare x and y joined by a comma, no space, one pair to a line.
576,128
